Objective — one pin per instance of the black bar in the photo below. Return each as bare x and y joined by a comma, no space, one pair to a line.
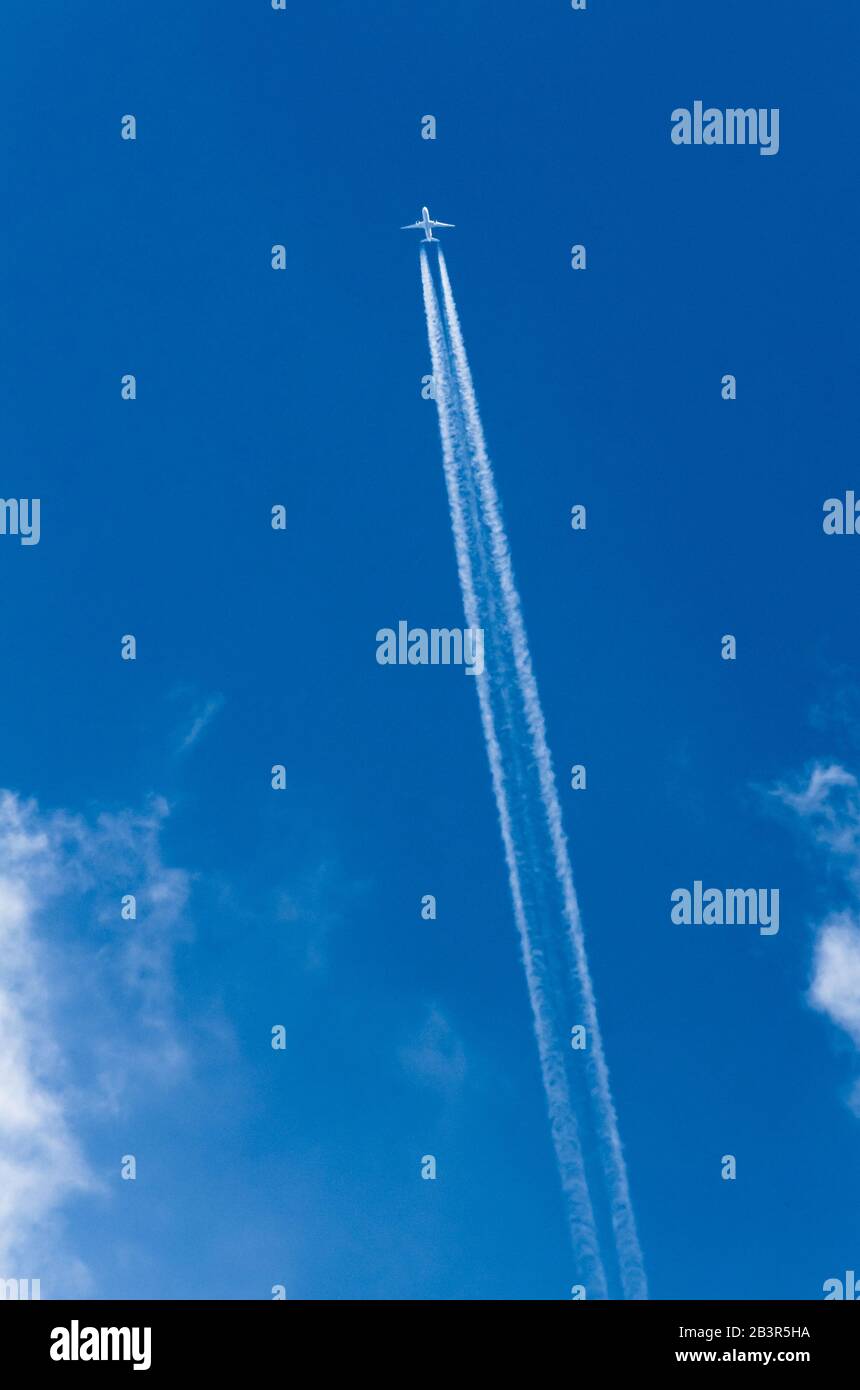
221,1338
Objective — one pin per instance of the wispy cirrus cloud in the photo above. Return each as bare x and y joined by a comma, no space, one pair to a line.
814,799
202,715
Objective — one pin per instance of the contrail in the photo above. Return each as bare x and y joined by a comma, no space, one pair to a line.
565,1134
582,1115
624,1224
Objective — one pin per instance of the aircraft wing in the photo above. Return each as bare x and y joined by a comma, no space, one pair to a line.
434,223
410,226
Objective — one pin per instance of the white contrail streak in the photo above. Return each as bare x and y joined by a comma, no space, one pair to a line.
558,978
622,1211
562,1119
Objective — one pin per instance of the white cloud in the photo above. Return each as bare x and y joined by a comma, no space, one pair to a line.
835,988
829,806
85,1003
40,1161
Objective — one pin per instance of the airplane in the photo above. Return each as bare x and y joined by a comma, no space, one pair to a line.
426,222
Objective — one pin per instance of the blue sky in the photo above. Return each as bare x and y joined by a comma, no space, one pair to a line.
302,907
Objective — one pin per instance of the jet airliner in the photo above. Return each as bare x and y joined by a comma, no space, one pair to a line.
426,223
